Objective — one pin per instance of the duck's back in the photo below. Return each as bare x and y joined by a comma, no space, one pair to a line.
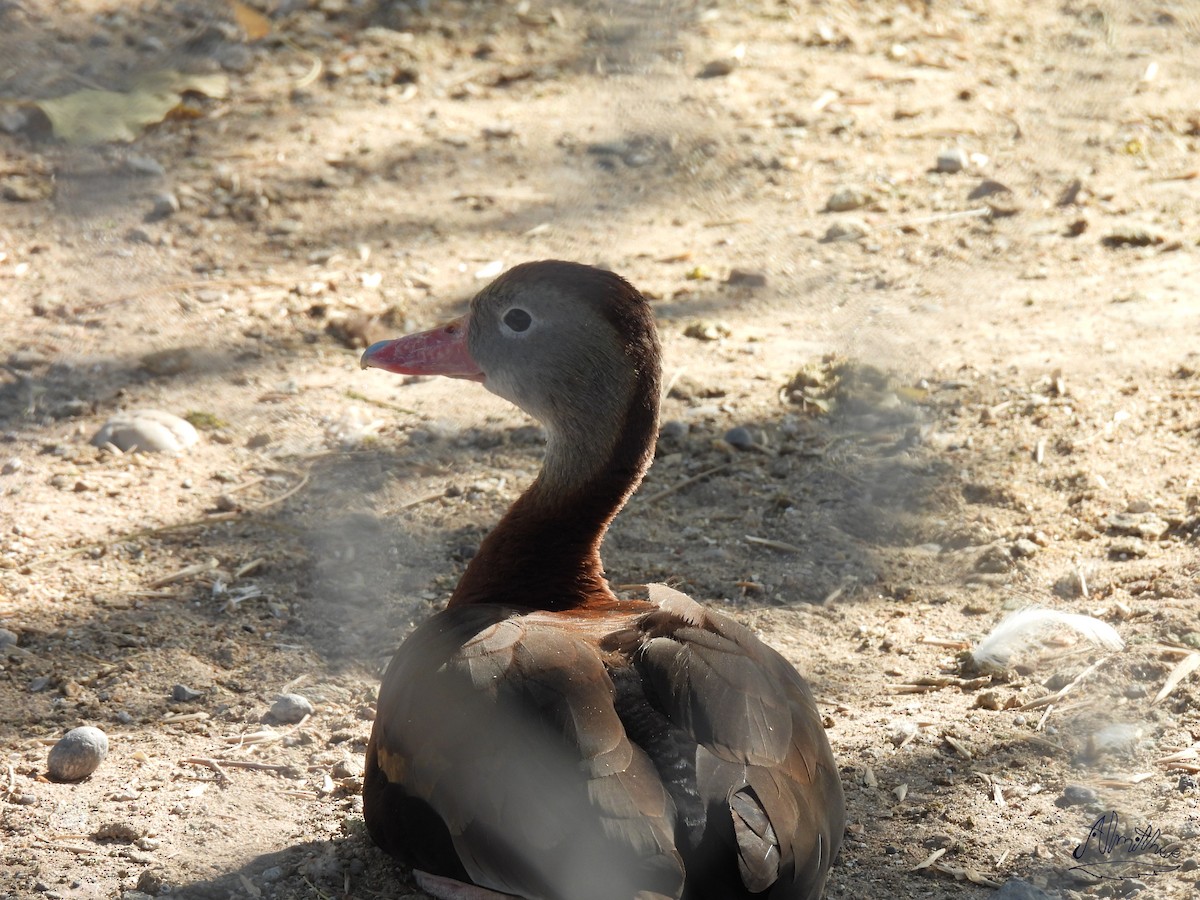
647,750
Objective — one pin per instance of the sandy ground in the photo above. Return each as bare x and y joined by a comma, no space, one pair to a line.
966,392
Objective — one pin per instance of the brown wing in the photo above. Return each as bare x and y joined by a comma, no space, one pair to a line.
497,755
764,769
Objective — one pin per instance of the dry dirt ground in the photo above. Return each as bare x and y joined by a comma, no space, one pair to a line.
965,393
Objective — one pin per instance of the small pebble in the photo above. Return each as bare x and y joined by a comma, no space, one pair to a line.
147,430
845,230
740,437
1077,795
7,638
1018,889
291,708
163,206
181,693
1187,783
11,465
673,430
77,754
348,768
746,278
846,199
951,160
718,68
145,166
1024,547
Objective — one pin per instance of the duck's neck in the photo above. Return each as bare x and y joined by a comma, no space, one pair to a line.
545,552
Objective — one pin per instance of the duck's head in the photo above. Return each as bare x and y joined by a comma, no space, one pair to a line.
572,345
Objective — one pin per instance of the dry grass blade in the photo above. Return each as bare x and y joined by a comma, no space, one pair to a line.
216,764
699,476
266,736
959,747
209,763
945,642
186,572
929,683
81,849
1180,756
965,874
1055,697
782,546
184,717
1182,670
929,860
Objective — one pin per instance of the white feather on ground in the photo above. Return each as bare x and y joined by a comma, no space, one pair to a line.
1025,629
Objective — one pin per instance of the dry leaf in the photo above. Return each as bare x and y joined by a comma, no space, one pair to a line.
255,24
92,117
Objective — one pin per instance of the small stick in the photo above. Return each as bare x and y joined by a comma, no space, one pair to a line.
184,717
978,212
426,499
249,567
205,761
186,572
245,484
301,483
216,764
74,848
782,546
699,476
1042,721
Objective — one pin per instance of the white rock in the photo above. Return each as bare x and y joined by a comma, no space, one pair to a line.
147,430
952,160
77,754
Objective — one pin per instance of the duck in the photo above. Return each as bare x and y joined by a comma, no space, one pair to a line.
542,738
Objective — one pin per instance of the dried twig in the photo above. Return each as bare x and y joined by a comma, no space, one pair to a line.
699,476
186,572
216,764
205,761
979,212
782,546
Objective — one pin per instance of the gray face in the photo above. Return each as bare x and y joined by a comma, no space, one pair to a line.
546,347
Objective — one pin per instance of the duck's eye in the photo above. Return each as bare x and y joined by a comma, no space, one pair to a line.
517,319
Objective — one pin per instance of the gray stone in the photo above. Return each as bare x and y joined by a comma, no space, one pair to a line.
845,230
77,754
1077,795
291,708
740,438
951,160
1019,889
181,693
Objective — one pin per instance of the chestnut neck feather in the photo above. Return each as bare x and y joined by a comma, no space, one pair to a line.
545,553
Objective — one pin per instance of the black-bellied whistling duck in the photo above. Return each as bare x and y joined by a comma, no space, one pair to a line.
543,738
